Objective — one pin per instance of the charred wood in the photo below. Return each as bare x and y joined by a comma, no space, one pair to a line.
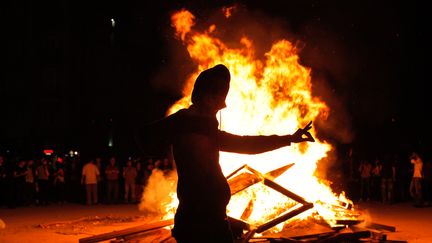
126,232
284,217
381,227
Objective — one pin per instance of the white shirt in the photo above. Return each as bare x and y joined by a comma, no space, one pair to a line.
90,173
418,167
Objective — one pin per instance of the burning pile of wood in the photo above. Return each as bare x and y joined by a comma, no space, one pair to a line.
344,230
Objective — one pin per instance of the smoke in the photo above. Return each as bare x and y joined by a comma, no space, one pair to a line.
158,193
337,126
333,72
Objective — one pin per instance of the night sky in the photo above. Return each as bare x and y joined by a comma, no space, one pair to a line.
71,80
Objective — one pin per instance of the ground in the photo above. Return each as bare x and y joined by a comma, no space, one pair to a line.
70,222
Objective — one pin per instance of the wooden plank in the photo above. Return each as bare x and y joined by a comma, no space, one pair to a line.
157,235
304,230
248,210
243,181
128,231
248,236
284,191
381,227
235,172
346,237
277,172
247,179
284,217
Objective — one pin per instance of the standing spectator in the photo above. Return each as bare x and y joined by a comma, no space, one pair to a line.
112,181
140,180
30,183
148,171
42,173
19,175
166,166
3,184
129,175
416,181
90,174
158,164
376,180
365,170
59,183
388,177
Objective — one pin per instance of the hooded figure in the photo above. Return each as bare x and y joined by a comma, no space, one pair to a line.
202,190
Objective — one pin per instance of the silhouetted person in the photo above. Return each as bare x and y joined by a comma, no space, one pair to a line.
140,180
59,183
388,177
43,176
365,170
376,180
90,174
112,174
202,190
19,175
30,184
416,181
129,174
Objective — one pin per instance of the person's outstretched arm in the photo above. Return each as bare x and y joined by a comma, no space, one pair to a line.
259,144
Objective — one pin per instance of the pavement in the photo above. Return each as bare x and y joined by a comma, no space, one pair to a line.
68,223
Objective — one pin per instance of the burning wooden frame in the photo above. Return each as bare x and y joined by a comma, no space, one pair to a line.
240,181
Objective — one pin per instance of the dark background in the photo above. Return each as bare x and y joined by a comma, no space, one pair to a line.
71,80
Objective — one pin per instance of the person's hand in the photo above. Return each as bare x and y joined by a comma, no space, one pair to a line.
303,134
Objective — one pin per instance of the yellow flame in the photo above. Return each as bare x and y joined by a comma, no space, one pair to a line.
270,96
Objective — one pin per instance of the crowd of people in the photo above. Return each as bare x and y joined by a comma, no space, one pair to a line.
52,179
389,179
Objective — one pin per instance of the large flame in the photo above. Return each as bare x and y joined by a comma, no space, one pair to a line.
270,96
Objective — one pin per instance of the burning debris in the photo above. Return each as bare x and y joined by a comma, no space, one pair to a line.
85,225
307,232
293,230
145,231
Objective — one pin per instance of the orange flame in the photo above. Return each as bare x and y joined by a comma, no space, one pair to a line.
271,96
183,22
228,11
